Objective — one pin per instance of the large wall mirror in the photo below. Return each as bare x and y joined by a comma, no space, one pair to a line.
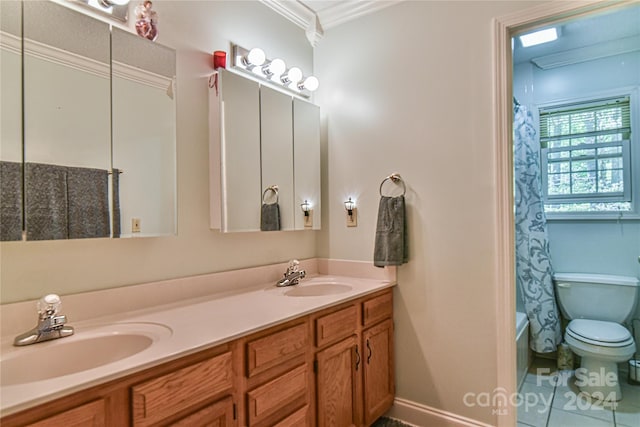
95,155
269,152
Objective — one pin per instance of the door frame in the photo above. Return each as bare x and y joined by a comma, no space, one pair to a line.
504,28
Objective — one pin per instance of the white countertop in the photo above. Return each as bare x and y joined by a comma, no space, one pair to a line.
181,328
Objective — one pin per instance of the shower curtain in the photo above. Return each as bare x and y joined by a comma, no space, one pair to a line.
533,263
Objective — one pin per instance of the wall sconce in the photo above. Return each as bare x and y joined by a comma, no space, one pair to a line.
275,71
352,216
306,209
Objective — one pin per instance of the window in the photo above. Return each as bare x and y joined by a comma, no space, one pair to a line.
586,156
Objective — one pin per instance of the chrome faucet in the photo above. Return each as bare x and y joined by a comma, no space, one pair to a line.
51,325
293,274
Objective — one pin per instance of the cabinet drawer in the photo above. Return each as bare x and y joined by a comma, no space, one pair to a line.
88,415
161,397
297,419
266,400
272,350
377,309
219,414
336,326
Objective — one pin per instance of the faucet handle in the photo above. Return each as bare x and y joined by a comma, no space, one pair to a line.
293,266
49,305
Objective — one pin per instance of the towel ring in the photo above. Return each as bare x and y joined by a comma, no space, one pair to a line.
395,178
273,188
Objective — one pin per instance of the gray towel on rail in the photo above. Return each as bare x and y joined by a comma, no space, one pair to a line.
46,201
391,244
270,217
10,201
115,196
88,198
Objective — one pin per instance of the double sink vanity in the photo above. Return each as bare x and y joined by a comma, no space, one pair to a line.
252,354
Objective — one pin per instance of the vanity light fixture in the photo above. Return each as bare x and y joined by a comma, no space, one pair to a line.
117,9
255,57
256,63
274,69
311,84
292,76
306,209
352,217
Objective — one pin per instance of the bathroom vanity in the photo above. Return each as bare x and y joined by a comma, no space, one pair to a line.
331,364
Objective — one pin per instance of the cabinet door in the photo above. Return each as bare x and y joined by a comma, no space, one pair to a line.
306,161
276,145
240,154
89,415
379,388
219,414
338,384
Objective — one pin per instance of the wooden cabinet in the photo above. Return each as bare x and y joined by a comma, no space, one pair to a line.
332,368
338,384
218,414
88,415
164,396
355,377
378,386
279,376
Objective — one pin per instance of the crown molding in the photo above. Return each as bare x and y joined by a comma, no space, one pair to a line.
315,22
344,11
65,58
78,62
296,12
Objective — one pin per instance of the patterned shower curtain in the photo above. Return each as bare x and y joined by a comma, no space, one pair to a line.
533,263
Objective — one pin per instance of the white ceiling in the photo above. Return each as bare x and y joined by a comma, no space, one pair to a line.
588,36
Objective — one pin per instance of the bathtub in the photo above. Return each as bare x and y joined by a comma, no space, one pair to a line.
522,344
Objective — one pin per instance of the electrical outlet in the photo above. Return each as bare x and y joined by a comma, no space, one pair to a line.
135,225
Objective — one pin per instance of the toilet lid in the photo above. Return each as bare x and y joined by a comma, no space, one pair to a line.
598,330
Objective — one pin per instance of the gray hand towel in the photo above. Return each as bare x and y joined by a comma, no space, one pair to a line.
88,198
10,201
270,217
46,201
391,245
115,195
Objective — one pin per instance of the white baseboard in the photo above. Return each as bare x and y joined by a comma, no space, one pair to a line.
419,415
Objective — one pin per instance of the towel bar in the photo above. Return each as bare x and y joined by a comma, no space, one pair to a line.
395,178
273,188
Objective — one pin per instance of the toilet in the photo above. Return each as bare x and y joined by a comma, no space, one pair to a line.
596,306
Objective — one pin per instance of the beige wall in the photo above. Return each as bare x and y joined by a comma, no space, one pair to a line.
409,90
195,29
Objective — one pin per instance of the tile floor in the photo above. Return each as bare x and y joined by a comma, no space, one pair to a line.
550,398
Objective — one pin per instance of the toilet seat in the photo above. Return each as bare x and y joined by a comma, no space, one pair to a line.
600,333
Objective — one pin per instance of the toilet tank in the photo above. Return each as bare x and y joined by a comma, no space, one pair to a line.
596,296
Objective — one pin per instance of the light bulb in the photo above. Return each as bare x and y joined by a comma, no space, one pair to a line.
119,2
256,56
294,75
277,67
311,84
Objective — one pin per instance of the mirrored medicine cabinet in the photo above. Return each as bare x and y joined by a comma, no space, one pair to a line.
88,127
267,145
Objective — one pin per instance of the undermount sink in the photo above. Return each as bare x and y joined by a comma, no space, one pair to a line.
317,289
86,349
